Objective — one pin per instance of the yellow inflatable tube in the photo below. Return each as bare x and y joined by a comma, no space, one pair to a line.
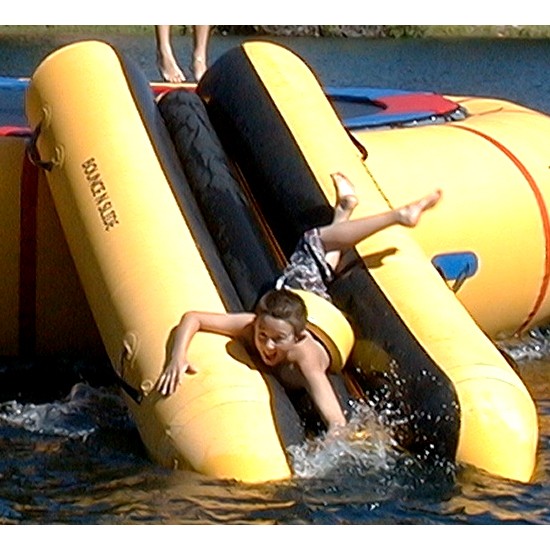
494,175
11,159
141,269
41,290
496,411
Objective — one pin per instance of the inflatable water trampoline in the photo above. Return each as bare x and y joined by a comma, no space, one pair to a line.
193,200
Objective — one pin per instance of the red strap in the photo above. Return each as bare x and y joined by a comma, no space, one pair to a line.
17,131
160,88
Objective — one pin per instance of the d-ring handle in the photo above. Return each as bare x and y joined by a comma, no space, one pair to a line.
34,155
130,346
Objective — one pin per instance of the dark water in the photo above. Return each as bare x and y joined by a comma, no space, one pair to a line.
75,458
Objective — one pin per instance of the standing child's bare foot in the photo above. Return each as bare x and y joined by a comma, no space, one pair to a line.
346,199
169,69
410,214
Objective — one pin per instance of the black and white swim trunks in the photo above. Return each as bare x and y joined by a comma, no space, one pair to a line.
308,268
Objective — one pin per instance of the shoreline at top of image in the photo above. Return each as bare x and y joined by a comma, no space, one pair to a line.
317,31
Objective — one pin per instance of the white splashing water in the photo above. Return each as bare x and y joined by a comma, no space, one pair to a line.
80,414
363,445
533,346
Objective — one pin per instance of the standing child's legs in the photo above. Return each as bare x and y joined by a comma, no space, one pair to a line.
343,233
201,35
166,60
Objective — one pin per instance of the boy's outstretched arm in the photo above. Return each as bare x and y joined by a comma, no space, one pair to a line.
192,322
324,397
178,364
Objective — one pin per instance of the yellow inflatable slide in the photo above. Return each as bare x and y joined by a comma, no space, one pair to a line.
145,252
412,330
142,263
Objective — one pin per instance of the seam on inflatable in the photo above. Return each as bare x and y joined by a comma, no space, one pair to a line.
544,218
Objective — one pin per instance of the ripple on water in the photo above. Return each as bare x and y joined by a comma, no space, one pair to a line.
83,412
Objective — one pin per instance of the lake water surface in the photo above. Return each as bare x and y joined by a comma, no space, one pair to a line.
76,458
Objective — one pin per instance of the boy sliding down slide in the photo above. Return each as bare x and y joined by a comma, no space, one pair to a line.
276,332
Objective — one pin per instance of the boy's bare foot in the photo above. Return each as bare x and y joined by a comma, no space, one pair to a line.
198,66
346,199
410,214
169,69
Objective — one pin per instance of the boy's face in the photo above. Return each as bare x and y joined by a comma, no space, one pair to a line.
273,339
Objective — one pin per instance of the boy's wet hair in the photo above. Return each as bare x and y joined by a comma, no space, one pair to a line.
285,305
